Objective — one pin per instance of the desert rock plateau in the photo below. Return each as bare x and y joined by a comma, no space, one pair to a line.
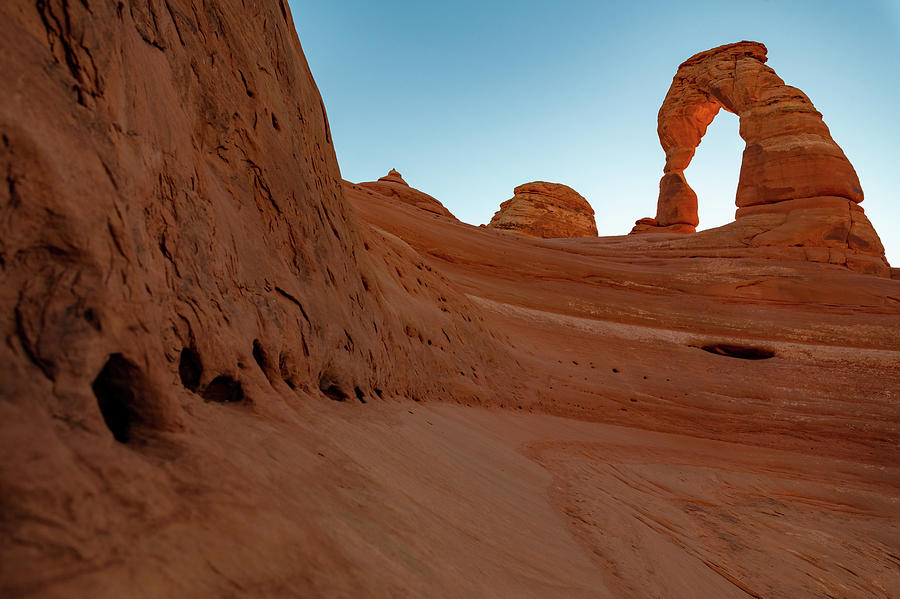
227,372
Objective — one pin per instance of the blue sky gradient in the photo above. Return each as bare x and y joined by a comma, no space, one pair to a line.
470,99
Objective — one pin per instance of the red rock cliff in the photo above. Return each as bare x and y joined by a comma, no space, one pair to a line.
173,237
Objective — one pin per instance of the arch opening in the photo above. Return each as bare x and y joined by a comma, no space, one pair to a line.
715,169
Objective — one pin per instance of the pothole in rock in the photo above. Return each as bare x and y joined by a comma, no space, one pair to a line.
744,352
124,398
223,389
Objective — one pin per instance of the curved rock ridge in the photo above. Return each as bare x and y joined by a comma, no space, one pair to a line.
793,174
393,185
545,210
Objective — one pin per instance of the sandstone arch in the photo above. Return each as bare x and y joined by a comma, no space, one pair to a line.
789,155
796,190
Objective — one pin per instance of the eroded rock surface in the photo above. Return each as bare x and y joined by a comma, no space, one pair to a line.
545,210
223,371
176,252
796,186
393,185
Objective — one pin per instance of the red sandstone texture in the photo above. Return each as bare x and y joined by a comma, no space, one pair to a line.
545,210
796,187
225,372
394,186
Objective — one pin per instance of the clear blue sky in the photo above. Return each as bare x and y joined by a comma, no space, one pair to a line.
470,98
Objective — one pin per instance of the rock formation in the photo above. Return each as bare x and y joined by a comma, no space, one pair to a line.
393,185
225,372
796,187
176,252
545,210
394,176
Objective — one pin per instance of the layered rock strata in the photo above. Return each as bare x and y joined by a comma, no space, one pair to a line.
796,185
394,186
545,210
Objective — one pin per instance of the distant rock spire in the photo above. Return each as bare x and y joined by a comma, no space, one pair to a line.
394,176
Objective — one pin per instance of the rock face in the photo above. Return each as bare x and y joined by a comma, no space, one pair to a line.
795,182
546,210
177,256
393,185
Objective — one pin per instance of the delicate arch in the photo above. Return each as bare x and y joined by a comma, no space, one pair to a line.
789,151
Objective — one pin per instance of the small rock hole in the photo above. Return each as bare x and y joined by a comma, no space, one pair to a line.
115,388
359,394
331,387
739,351
223,389
335,393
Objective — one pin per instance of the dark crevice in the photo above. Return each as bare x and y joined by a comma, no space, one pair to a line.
304,346
260,356
349,344
293,300
175,23
247,89
325,119
359,394
60,30
11,187
739,351
190,368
